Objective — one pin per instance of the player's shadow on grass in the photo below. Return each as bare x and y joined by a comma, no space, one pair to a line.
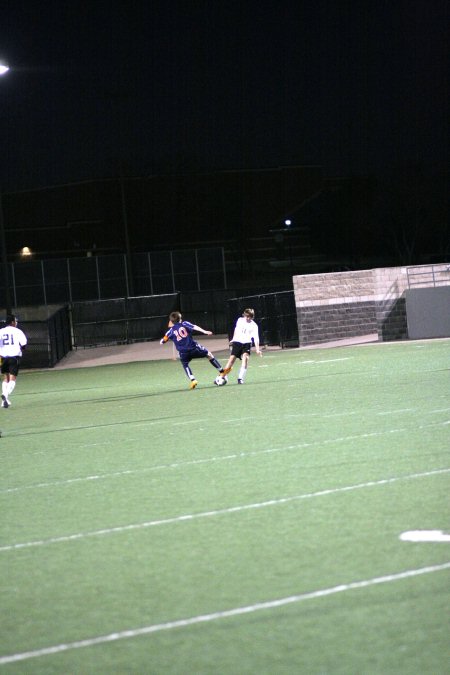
35,432
106,399
200,388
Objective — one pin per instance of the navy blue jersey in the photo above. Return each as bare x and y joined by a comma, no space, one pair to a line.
181,335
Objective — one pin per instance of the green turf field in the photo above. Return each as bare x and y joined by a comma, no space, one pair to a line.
253,529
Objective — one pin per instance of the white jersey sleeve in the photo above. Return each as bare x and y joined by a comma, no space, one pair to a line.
245,330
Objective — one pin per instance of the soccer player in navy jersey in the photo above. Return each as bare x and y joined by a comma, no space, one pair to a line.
180,332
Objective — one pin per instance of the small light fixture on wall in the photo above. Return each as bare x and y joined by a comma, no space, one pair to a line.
26,252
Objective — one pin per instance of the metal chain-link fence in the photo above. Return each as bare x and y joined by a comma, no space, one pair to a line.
67,280
275,314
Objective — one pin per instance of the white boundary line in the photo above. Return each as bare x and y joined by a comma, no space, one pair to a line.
154,422
424,536
226,614
217,512
318,361
207,460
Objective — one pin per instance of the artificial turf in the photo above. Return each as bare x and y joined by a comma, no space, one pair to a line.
253,529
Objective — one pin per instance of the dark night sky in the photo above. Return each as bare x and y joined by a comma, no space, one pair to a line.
167,85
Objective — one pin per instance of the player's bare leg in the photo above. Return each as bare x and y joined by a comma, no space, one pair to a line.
243,369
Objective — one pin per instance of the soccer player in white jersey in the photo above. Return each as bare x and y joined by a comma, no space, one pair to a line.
12,342
245,332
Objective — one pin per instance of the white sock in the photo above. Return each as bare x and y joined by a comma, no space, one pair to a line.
5,388
242,373
11,385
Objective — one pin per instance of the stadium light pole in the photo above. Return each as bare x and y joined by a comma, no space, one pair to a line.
128,257
4,258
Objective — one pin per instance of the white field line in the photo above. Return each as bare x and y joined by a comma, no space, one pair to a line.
194,421
436,536
224,614
217,512
150,423
208,460
345,413
318,361
395,412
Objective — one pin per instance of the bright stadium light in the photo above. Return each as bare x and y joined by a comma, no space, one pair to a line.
3,68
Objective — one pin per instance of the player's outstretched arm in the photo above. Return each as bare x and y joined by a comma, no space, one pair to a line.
202,330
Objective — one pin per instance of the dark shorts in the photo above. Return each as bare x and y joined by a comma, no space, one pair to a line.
198,352
238,348
10,365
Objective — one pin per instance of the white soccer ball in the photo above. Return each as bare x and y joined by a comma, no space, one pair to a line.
220,381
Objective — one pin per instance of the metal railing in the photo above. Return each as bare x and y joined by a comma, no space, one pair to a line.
428,275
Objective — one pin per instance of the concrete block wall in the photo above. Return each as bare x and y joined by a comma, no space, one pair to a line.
342,305
390,284
334,306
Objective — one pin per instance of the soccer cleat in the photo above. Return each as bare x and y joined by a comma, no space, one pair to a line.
5,402
240,381
225,371
193,384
